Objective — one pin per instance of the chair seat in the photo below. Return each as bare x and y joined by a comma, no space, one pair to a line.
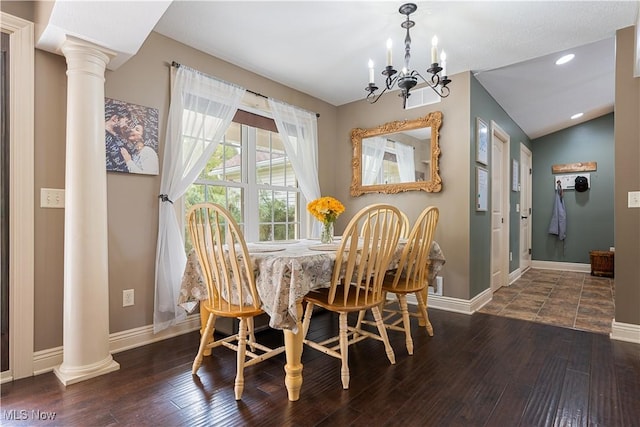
232,310
403,287
320,298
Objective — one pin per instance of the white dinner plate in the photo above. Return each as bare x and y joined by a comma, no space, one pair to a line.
276,242
264,248
326,247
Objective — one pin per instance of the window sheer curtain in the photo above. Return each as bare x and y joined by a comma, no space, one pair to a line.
406,165
373,150
299,131
200,112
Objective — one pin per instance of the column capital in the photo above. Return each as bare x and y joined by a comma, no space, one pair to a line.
80,52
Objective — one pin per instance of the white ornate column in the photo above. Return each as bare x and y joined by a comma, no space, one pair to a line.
86,279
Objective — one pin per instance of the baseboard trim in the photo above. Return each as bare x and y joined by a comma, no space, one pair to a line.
6,377
456,305
515,275
625,332
567,266
46,360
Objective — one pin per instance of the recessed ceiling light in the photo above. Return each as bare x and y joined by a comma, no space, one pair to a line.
564,59
577,116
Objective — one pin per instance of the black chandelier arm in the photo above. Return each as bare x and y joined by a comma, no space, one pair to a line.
371,96
434,82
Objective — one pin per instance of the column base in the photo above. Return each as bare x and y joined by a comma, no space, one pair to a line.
75,375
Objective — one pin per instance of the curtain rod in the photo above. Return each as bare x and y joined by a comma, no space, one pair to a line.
178,65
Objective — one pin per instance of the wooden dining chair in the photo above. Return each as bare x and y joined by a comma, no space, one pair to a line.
362,258
410,277
229,276
404,222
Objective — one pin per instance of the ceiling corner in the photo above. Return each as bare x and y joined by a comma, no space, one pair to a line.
119,26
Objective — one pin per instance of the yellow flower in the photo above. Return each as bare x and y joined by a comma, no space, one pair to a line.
325,209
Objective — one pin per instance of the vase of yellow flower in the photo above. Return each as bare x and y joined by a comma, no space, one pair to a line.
326,210
327,232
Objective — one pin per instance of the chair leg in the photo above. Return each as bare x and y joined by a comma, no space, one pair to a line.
361,314
402,301
204,318
307,319
422,306
421,321
344,351
382,330
252,336
204,340
242,350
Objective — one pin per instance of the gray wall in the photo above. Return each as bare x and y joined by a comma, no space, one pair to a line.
485,107
590,214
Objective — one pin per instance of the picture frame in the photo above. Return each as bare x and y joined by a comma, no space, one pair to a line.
131,138
482,141
482,189
515,175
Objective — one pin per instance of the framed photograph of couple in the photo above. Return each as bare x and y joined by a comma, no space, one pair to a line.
131,137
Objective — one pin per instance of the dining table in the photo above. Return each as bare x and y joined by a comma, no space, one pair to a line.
285,271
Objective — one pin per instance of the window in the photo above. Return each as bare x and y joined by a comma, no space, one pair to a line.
250,174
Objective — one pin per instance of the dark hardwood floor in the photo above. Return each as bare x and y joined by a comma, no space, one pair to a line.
479,370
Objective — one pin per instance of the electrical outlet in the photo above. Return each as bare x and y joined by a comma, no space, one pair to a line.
437,289
127,297
510,256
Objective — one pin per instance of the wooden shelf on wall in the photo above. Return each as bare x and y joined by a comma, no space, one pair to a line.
575,167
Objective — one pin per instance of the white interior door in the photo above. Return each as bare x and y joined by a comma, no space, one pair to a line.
525,208
499,207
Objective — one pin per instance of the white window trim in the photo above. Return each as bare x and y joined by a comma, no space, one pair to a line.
247,104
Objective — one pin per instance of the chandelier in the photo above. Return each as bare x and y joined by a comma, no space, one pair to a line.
405,79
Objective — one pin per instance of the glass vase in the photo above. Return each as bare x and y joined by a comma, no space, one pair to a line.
327,232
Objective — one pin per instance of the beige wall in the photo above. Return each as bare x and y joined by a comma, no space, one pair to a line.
627,178
453,201
21,9
49,164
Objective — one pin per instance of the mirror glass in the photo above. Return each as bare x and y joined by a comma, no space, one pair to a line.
397,156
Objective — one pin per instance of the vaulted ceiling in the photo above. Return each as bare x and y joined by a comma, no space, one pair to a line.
322,47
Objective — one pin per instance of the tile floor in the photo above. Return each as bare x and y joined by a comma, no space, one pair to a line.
562,298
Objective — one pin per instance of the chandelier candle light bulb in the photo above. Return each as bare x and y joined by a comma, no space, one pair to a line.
389,55
371,78
434,50
443,56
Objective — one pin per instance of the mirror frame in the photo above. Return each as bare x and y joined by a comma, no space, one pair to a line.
433,185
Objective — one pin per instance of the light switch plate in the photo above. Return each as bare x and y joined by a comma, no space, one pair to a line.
51,198
634,199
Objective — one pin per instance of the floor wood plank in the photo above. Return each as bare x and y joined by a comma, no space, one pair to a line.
477,370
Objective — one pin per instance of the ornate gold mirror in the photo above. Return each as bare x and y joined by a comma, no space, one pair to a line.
397,156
